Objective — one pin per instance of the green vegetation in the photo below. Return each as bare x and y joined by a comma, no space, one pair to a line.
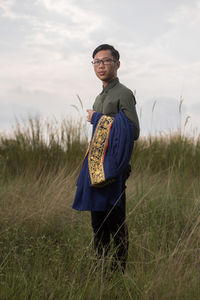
46,249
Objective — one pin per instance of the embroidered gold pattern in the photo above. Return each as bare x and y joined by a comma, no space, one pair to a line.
97,150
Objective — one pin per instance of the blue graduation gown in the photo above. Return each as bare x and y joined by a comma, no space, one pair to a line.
101,180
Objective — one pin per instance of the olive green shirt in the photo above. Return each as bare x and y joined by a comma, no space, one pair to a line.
116,96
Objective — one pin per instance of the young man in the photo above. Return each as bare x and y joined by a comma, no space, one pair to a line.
101,184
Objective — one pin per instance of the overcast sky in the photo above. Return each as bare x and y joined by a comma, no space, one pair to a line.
46,47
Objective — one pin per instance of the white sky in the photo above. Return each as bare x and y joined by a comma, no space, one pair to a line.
46,48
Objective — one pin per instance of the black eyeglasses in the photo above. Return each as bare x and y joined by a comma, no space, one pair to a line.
105,61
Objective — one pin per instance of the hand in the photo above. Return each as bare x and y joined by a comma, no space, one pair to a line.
90,113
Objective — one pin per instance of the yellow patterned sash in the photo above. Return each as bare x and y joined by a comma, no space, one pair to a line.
97,150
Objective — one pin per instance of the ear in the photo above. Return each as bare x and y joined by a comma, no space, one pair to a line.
118,64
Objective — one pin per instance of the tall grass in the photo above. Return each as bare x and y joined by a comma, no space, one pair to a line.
41,147
46,248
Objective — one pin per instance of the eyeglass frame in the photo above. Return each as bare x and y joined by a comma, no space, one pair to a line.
99,61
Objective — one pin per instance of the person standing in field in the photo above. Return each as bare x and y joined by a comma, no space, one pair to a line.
101,183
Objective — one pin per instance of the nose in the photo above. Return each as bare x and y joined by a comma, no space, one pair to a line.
101,64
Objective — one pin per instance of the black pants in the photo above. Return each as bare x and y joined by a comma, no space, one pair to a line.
107,224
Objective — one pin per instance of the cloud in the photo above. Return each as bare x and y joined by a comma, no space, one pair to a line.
169,64
67,8
10,111
6,8
81,22
46,47
162,115
53,26
186,14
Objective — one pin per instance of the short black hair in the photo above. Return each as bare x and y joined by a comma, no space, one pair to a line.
114,52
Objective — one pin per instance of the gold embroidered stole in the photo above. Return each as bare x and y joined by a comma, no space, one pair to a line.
97,150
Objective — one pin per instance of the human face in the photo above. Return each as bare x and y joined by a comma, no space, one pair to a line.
106,72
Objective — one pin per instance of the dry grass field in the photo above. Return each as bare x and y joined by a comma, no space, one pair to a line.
46,249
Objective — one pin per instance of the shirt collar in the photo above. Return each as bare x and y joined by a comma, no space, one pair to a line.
110,85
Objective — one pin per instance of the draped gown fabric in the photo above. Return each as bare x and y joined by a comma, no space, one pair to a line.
99,192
